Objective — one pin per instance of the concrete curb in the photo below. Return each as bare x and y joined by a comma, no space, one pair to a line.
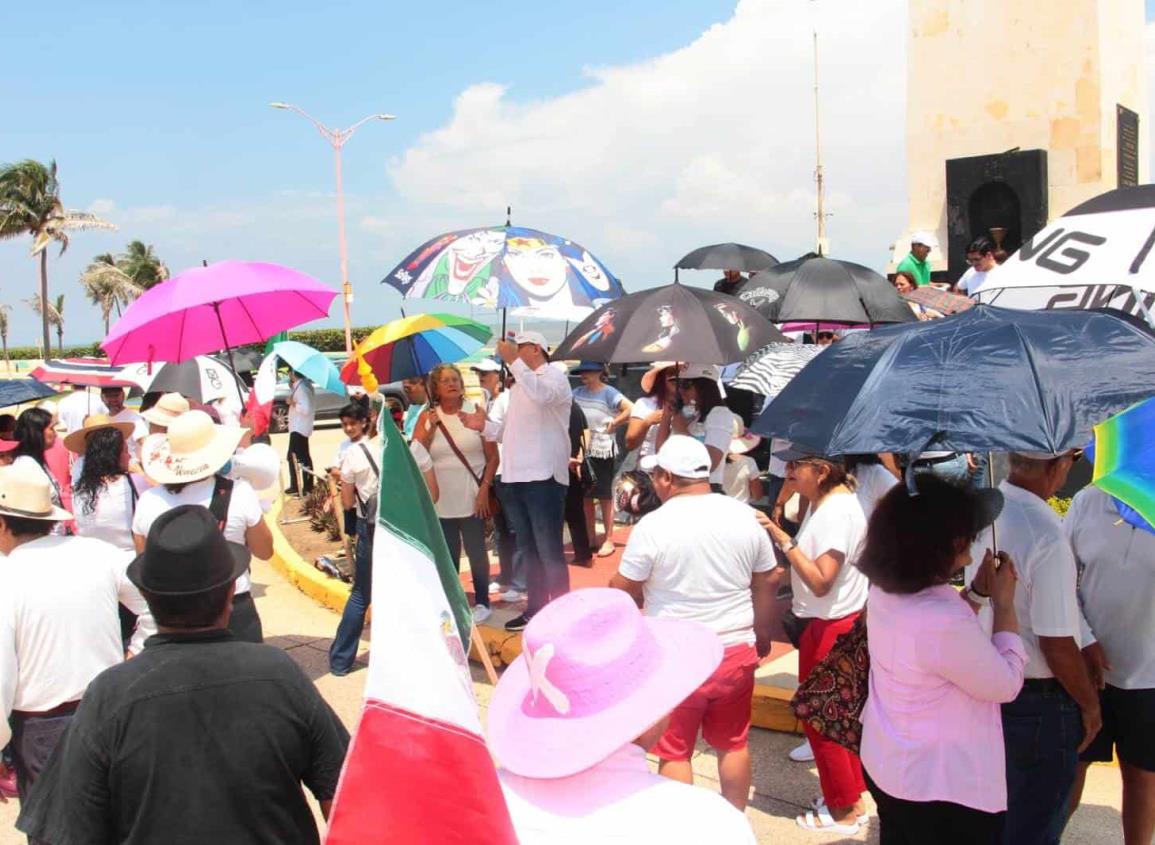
300,573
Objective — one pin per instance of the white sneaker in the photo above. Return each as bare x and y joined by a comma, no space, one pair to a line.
803,753
481,613
495,588
512,595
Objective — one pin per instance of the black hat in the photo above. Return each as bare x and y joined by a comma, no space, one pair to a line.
186,554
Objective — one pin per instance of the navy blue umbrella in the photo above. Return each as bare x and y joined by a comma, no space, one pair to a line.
988,379
13,391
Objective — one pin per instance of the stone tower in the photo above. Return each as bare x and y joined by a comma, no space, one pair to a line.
1016,111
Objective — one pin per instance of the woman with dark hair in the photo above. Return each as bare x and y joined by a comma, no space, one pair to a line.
932,738
36,434
646,414
105,494
829,594
605,410
700,412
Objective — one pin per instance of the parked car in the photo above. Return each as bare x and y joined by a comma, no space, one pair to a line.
328,405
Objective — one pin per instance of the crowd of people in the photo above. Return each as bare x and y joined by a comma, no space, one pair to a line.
130,533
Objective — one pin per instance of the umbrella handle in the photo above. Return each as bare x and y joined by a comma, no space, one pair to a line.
228,351
991,481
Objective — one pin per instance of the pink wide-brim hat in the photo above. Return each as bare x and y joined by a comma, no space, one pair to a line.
594,675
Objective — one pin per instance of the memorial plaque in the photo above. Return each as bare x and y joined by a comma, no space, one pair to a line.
1126,146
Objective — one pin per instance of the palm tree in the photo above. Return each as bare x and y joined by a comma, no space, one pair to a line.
4,311
58,306
107,286
30,205
51,316
142,266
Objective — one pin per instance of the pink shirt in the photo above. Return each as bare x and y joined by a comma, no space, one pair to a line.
932,728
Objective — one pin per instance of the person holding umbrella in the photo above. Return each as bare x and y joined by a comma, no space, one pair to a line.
699,411
301,411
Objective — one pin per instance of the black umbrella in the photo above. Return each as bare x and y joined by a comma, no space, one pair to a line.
670,323
200,379
818,289
13,391
988,379
730,256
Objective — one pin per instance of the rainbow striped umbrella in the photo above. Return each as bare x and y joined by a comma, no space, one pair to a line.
1124,457
411,347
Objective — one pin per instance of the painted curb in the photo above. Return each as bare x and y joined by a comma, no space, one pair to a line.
300,573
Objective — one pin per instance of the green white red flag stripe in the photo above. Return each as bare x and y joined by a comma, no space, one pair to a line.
418,769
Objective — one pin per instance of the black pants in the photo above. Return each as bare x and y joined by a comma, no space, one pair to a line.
299,453
575,518
939,822
244,622
469,530
34,738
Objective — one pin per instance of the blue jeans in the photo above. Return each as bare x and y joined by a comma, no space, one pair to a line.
1042,729
512,575
535,514
954,471
344,649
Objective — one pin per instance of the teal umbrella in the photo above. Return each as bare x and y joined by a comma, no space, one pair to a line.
312,364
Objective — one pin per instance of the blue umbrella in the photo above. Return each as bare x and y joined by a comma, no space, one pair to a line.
13,391
986,380
312,364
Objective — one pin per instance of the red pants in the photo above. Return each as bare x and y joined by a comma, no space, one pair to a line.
839,769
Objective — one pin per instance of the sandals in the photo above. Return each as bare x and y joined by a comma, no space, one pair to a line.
819,806
823,822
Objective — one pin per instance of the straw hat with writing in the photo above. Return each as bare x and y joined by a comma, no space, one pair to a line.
77,441
192,449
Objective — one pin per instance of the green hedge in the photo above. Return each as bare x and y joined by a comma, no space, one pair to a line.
330,340
26,353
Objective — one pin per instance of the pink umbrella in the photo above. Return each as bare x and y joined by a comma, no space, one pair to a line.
219,306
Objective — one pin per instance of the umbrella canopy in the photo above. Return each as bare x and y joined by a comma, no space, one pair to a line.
412,346
1097,255
729,256
1124,455
201,379
310,363
92,372
13,391
772,367
939,300
204,309
989,379
670,323
814,289
506,267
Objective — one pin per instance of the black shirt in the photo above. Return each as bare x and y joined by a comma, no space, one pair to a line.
200,738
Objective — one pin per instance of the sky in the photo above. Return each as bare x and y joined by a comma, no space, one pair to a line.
639,128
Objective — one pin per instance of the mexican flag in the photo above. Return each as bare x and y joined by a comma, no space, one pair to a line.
418,769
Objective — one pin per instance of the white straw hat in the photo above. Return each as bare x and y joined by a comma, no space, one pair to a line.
192,449
26,492
167,408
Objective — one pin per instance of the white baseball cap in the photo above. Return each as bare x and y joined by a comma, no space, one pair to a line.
486,365
682,456
924,238
689,371
536,338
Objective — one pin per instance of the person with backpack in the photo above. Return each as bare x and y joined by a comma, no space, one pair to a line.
189,463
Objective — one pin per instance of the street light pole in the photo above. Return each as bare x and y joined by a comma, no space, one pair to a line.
337,138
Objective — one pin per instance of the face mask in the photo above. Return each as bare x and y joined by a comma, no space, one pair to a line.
690,410
227,468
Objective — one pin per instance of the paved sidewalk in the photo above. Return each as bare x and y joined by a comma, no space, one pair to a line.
781,788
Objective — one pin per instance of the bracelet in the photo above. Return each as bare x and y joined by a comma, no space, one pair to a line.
786,548
978,598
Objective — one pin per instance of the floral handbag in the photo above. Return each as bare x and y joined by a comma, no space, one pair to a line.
831,698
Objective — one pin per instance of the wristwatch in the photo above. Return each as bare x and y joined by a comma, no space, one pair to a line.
787,547
975,597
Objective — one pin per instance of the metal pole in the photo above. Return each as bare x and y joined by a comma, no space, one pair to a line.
346,288
820,215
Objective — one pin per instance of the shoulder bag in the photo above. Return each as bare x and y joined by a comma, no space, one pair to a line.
831,698
494,504
367,508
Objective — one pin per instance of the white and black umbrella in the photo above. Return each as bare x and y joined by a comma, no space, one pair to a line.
772,367
1097,255
200,379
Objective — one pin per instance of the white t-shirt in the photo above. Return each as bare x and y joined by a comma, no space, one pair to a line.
301,411
111,519
642,409
341,448
696,556
244,511
139,424
716,430
777,466
456,484
1045,598
874,482
358,471
1116,563
76,406
972,280
836,525
737,474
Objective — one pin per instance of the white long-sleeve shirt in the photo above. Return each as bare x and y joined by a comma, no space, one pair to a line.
59,626
534,431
